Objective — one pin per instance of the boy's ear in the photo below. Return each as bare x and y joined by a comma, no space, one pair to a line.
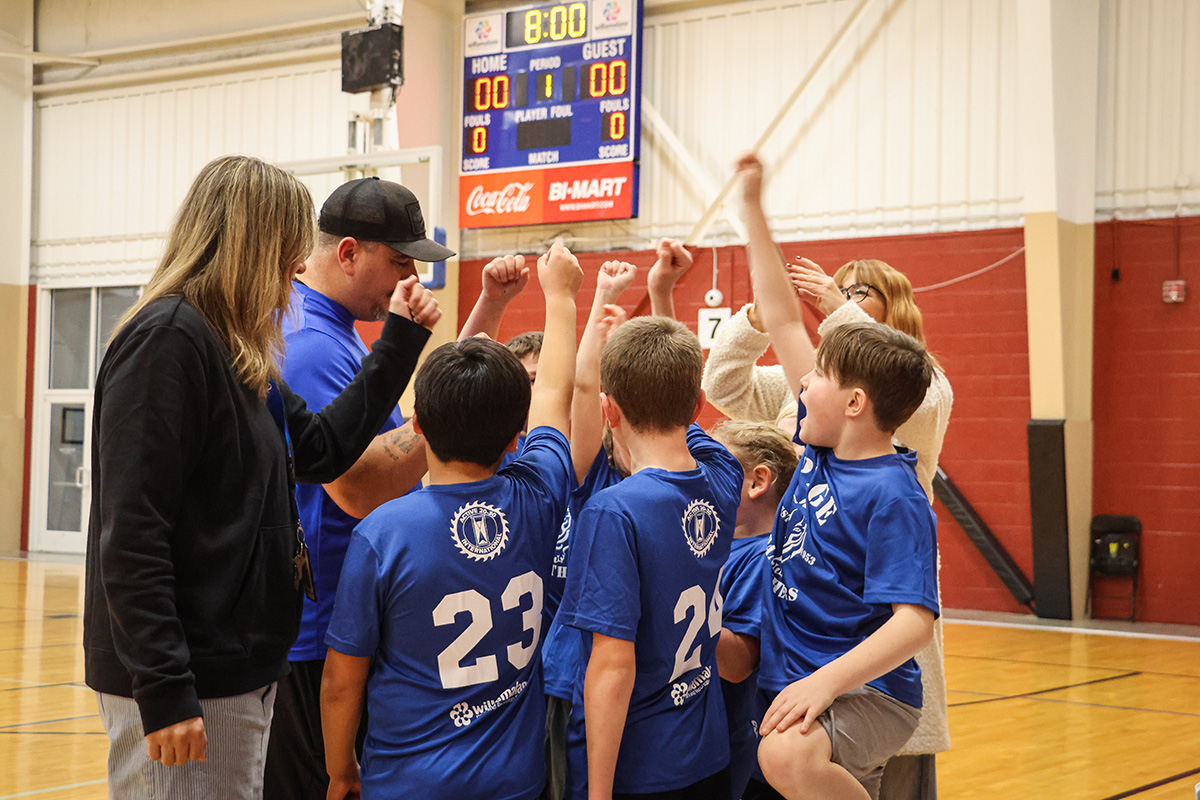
514,444
416,424
610,410
760,481
858,403
700,401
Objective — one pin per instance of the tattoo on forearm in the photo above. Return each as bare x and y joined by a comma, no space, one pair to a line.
401,442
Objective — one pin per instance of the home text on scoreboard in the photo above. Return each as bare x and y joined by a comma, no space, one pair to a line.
550,99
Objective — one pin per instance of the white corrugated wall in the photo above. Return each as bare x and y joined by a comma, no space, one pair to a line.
910,128
1148,134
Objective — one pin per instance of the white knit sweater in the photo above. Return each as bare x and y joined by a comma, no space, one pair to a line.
742,390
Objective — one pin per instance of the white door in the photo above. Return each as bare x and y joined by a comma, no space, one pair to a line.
74,325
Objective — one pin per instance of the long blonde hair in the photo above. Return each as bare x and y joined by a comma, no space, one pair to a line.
234,244
899,306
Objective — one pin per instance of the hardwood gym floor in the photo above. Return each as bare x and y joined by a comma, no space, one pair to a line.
1035,711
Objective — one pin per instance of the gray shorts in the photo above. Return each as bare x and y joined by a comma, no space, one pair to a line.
867,727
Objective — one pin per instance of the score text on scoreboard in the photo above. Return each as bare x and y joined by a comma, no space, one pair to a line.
551,113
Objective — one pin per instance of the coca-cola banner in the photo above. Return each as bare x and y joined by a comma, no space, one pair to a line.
564,194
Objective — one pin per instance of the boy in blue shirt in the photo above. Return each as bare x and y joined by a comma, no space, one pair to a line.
643,571
852,587
441,598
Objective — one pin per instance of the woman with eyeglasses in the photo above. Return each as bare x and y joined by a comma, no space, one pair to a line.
859,291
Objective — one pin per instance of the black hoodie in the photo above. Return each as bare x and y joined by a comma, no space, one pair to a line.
190,590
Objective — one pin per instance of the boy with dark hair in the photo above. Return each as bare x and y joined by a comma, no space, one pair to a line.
440,602
853,592
643,573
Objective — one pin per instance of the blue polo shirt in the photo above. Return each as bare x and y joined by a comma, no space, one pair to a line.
324,353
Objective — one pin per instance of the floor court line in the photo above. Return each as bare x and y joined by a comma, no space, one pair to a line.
39,647
53,733
1114,707
984,623
970,657
1043,691
76,684
53,789
1147,787
46,722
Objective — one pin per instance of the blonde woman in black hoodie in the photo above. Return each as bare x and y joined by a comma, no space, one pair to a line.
196,567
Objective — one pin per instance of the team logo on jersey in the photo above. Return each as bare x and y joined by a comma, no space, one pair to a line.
559,569
564,537
700,526
807,466
462,715
682,692
793,545
480,531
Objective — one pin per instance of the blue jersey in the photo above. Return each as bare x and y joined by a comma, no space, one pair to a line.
742,587
443,590
563,653
644,567
850,539
324,353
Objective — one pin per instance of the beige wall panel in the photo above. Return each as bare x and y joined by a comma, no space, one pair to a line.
14,310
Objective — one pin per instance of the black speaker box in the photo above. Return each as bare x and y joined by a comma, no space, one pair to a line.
372,58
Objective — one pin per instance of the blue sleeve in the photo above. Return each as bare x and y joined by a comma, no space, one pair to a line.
603,592
545,460
354,626
742,587
901,565
317,367
544,465
725,472
801,413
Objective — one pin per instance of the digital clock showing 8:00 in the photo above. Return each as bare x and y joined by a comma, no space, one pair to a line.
557,23
551,85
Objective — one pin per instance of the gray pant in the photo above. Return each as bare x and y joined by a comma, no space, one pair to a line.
237,729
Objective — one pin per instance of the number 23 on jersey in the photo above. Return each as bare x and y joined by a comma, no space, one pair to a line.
454,669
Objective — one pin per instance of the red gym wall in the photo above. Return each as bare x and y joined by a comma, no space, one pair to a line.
1146,389
976,329
1147,381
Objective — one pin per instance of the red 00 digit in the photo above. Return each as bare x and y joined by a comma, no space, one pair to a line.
483,94
598,80
618,81
500,91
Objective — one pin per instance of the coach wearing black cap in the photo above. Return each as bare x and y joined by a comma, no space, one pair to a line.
371,233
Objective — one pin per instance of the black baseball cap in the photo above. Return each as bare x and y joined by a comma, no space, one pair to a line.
380,211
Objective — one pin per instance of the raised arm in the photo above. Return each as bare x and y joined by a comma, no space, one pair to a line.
774,295
673,261
560,277
503,279
587,425
328,443
733,382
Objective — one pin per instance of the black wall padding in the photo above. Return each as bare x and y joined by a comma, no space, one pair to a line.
1048,510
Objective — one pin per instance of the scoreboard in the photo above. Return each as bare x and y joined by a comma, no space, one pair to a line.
550,123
